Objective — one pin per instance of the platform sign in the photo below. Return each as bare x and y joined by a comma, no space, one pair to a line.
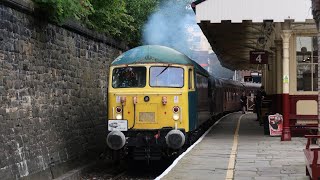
259,57
275,124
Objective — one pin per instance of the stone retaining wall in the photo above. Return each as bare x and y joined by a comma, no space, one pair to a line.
53,91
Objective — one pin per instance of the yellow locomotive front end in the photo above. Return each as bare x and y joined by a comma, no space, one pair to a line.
147,107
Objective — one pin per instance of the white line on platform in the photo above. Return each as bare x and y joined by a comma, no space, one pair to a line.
234,151
175,162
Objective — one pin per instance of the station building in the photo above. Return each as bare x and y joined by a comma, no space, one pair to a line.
278,39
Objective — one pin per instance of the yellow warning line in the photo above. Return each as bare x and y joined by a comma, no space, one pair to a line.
233,154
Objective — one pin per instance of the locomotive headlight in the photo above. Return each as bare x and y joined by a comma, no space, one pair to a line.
176,117
118,116
118,109
176,109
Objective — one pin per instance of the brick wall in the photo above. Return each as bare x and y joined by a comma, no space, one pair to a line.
53,85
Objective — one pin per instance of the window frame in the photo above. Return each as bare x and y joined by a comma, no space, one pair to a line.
146,70
313,65
149,79
191,82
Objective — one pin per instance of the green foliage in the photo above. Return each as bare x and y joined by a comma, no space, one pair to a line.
121,19
60,10
110,17
140,10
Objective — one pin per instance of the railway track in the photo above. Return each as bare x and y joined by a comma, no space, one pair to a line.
104,170
125,171
133,170
119,176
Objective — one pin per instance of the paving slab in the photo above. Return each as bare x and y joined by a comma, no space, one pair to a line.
255,156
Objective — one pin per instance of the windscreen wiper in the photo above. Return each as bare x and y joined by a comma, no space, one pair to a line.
163,70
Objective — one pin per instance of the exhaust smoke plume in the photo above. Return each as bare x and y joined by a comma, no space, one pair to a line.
169,25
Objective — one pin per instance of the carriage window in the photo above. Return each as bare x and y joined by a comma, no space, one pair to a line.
166,76
190,81
307,63
128,77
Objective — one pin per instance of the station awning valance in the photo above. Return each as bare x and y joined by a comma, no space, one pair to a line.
236,27
216,11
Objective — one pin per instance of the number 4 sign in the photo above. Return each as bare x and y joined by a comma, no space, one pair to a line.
258,57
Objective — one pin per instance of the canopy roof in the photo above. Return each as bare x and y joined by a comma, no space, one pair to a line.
236,11
236,27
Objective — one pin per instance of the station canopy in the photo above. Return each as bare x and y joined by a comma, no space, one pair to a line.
236,27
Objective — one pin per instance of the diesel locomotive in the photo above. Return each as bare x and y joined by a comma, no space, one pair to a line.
158,99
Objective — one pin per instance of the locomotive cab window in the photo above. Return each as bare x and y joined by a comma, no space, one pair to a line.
166,76
129,77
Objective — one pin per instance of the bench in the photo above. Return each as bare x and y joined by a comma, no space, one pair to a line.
312,158
303,129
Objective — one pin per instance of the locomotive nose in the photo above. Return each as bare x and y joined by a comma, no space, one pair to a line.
116,140
175,139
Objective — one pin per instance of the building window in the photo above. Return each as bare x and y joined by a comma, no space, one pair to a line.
307,63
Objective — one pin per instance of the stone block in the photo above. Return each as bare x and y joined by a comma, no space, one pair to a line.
41,76
6,172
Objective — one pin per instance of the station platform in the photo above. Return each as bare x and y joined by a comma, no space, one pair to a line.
236,148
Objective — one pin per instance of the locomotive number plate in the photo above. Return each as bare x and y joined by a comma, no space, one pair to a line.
147,117
117,125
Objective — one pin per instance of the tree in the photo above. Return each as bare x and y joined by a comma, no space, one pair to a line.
111,17
140,10
121,19
60,10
